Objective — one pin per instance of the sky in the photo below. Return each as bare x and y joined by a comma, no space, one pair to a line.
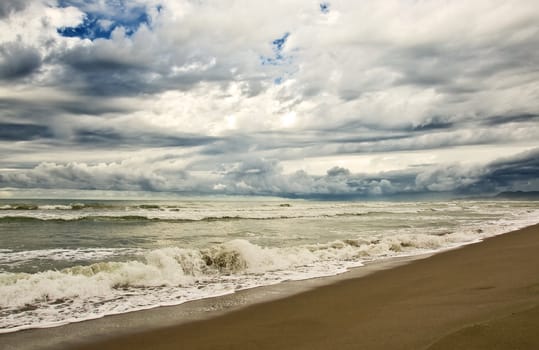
294,98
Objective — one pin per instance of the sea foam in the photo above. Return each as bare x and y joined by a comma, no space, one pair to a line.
104,281
101,288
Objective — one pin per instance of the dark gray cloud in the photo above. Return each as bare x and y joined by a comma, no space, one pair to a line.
89,59
102,71
82,176
7,7
520,118
434,123
361,138
509,174
18,60
23,132
115,138
338,171
438,65
105,77
516,173
464,66
45,108
265,177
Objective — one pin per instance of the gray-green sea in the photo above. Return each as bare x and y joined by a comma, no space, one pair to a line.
64,261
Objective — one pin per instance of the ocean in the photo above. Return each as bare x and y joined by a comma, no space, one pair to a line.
64,261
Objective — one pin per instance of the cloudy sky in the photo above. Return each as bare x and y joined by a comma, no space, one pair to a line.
301,98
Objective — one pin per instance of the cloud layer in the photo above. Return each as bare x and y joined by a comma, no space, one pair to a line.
293,98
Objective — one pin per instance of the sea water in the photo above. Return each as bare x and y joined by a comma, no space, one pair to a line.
65,261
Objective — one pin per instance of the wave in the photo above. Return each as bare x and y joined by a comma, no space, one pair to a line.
79,206
173,275
182,212
183,267
83,218
91,287
121,218
110,206
151,218
19,207
13,258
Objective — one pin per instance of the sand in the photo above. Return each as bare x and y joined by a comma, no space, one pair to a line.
480,296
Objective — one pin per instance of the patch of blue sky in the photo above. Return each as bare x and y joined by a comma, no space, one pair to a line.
324,7
284,75
101,24
278,57
278,43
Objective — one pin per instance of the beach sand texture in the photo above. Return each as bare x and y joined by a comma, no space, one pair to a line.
481,296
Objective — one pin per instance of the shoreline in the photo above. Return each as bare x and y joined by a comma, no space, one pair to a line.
72,334
412,306
302,314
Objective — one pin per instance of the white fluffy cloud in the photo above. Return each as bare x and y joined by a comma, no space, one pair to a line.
215,84
265,177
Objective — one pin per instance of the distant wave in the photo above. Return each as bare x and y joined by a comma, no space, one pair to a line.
150,218
13,257
124,218
103,206
71,206
19,207
82,218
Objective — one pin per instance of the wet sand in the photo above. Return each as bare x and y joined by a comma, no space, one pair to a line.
481,296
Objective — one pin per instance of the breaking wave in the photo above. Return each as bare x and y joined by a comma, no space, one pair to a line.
151,217
53,286
175,275
120,218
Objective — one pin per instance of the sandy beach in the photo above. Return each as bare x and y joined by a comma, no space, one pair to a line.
269,175
481,296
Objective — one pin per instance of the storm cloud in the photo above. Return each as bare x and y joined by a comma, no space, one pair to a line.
265,177
294,98
17,60
9,6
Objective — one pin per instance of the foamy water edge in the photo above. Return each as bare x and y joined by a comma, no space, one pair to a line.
496,228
